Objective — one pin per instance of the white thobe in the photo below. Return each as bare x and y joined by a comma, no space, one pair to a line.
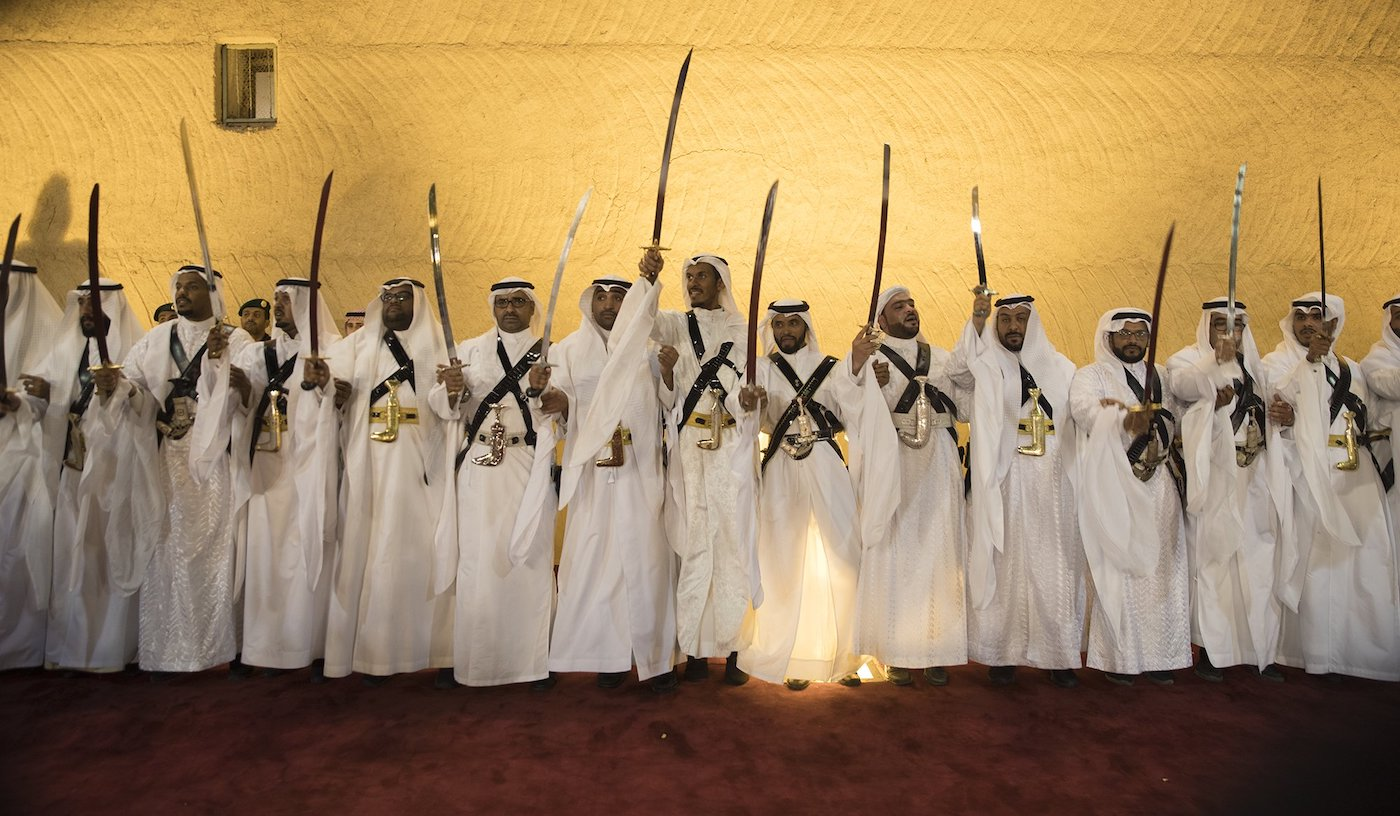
808,538
503,613
26,532
911,608
719,574
1382,370
1231,520
1135,544
1343,574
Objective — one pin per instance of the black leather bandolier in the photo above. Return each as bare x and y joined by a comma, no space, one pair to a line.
1248,403
1342,396
825,422
276,378
1162,429
404,374
940,401
509,384
80,405
184,386
708,377
1027,383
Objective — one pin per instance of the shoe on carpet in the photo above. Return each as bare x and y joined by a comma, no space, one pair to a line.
898,676
1161,678
851,680
1207,670
1002,675
238,670
318,670
1118,679
664,683
794,684
1271,673
445,679
611,679
545,683
1064,678
733,675
274,672
697,669
936,676
375,680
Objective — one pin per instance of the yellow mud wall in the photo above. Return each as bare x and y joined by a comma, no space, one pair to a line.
1090,127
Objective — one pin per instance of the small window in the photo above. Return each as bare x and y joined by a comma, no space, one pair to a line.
248,84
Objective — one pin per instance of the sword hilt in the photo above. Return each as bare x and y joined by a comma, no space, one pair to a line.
983,289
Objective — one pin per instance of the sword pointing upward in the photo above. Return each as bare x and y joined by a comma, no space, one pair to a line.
559,277
1151,375
9,258
95,287
666,153
194,200
1234,254
315,276
981,287
1321,254
755,298
438,283
880,249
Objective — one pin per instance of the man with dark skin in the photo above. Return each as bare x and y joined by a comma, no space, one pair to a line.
253,317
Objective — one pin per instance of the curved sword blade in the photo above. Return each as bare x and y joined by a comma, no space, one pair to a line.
666,152
1234,253
315,276
94,287
559,275
438,283
1321,254
755,296
194,201
8,259
1156,315
880,250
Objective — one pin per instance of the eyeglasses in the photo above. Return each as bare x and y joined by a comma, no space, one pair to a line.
517,302
395,297
1141,334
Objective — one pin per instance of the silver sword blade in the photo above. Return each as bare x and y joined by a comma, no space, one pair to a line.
1234,253
194,201
438,283
559,275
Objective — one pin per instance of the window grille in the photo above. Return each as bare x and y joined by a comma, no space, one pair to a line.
248,83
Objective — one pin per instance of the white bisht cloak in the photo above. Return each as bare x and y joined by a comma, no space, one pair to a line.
188,584
385,617
92,622
809,529
26,503
709,500
617,576
1232,523
1382,368
1132,530
1025,560
503,612
284,603
911,608
1339,580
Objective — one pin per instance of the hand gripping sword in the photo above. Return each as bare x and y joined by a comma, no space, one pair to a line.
981,287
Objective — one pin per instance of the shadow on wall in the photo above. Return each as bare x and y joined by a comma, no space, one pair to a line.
62,263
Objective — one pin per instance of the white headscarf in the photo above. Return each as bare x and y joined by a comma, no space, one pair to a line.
1111,321
585,300
1289,346
726,295
299,292
1220,306
788,306
216,295
511,286
884,300
32,319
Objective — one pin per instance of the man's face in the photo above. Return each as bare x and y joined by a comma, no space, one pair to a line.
606,303
354,323
899,318
789,332
398,306
1307,324
1217,330
1130,342
87,320
1011,327
1395,320
703,284
282,312
254,321
166,315
513,311
192,296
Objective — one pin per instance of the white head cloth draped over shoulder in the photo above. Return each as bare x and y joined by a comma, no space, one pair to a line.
884,300
31,321
1386,351
585,299
1111,321
1289,345
787,307
216,295
726,294
1220,306
299,293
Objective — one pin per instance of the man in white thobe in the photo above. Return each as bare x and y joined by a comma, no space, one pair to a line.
26,506
91,622
703,349
1339,571
809,529
375,392
911,608
188,577
617,576
1129,508
1025,560
504,609
1382,368
286,580
1230,454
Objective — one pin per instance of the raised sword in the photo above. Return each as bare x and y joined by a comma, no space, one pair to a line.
438,283
981,287
314,278
194,201
1321,255
1234,255
95,287
559,277
755,298
880,248
1151,375
666,153
5,264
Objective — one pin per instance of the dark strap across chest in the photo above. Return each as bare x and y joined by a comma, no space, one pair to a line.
1027,383
80,405
404,373
923,361
186,384
708,378
1342,396
827,425
1162,419
508,384
1248,402
276,379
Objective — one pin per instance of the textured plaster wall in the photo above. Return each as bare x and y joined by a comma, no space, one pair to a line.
1090,127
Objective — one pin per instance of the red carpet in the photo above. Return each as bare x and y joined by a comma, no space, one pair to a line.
210,744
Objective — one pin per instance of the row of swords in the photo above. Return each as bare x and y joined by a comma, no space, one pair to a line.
755,309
